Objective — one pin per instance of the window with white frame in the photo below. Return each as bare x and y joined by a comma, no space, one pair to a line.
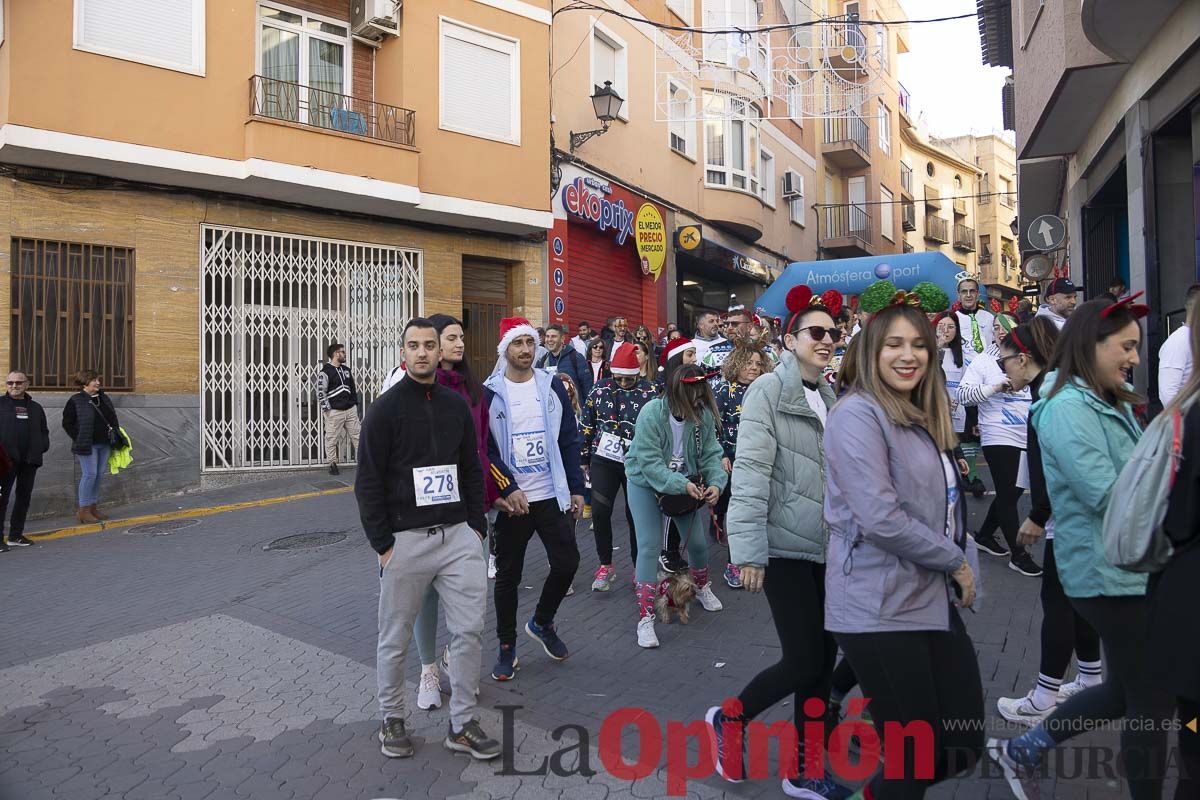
881,43
730,48
767,160
480,83
887,212
309,58
610,63
885,128
160,33
794,104
682,9
730,142
796,203
681,114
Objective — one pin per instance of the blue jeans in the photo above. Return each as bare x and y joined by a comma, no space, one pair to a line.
92,467
650,525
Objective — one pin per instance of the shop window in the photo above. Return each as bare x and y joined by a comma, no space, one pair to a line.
480,83
155,32
610,63
731,130
72,309
681,125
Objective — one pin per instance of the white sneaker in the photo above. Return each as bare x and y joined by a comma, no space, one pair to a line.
491,568
429,692
708,599
444,663
1069,690
1022,711
646,635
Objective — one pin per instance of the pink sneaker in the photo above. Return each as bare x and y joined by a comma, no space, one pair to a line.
603,578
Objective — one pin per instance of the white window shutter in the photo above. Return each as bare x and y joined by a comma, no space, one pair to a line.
479,89
165,33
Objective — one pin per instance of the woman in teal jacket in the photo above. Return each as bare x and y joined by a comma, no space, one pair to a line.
662,459
1087,431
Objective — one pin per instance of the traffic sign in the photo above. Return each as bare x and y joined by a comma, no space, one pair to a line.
1047,232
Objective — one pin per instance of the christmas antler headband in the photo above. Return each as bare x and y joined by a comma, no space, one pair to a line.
1138,310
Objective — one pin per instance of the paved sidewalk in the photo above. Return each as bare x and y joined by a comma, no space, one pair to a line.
186,661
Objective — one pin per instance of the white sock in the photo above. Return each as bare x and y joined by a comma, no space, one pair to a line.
429,669
1090,673
1045,693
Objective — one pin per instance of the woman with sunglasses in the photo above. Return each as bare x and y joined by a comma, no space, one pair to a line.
642,335
777,532
597,359
1026,354
1087,431
1003,418
899,555
674,453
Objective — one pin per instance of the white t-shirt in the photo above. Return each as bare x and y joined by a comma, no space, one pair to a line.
1174,363
985,321
816,403
580,346
678,462
595,365
703,346
529,450
950,471
395,376
954,373
1004,415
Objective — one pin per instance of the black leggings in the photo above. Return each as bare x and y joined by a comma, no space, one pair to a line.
608,477
1128,691
1063,630
844,679
557,532
1004,461
921,675
796,593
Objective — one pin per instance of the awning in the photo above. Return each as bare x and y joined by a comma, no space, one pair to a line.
851,276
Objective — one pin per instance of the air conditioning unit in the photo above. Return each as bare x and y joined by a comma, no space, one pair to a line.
375,19
793,185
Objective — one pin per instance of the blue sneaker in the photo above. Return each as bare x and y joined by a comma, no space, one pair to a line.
506,663
724,760
822,789
547,637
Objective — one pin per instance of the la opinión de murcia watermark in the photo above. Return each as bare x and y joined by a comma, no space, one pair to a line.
672,740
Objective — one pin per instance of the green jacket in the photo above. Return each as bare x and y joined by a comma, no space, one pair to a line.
780,468
648,462
1085,442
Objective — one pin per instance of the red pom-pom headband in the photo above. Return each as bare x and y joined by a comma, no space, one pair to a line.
800,298
1138,310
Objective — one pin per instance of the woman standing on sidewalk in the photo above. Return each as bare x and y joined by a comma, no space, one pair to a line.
91,421
1087,431
899,551
777,533
454,373
674,452
1024,356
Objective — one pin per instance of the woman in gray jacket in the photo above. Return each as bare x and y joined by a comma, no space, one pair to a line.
898,552
777,536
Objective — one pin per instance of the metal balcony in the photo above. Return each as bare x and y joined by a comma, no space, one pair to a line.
964,238
847,142
906,180
908,215
330,111
849,231
937,229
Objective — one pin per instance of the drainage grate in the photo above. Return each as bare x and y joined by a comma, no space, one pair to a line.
163,528
306,541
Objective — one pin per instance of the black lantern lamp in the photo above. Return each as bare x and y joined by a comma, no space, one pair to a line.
607,104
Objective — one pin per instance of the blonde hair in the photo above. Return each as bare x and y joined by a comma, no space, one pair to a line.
572,392
929,405
740,357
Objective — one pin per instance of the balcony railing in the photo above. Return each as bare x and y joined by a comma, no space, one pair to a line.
964,238
908,215
851,128
842,222
937,229
330,111
1008,199
908,248
906,182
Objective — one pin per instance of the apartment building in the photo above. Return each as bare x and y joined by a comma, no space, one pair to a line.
937,200
201,196
1105,102
995,163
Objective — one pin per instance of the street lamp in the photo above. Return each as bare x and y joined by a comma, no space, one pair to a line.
607,104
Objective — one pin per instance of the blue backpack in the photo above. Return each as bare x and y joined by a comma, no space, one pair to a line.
1133,535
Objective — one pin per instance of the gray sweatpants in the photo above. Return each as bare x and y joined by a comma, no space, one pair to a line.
452,561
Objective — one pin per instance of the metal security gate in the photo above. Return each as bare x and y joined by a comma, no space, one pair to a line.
271,303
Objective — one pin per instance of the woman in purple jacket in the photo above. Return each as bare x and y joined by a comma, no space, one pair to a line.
898,553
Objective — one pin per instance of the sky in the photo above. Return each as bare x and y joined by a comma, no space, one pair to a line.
952,91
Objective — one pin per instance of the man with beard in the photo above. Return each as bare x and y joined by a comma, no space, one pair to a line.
976,325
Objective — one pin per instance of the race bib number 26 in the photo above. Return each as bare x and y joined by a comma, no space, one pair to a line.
529,450
436,485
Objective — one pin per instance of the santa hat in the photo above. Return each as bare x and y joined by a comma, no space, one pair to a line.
675,347
624,360
511,328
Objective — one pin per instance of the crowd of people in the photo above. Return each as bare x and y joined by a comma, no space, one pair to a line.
828,437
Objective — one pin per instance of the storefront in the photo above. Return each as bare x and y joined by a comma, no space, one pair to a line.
713,277
607,254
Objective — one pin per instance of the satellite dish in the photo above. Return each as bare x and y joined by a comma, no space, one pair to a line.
1037,268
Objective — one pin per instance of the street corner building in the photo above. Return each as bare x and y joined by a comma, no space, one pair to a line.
197,198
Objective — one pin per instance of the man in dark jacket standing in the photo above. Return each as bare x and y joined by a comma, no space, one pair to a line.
420,488
338,397
25,438
566,359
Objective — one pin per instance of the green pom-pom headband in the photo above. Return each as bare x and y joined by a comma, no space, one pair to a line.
927,296
877,296
933,299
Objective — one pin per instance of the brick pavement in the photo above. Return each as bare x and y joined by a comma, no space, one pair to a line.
197,665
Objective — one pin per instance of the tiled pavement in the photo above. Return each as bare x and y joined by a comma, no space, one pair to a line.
195,664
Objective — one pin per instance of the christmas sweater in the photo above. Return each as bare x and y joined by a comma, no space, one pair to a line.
612,410
729,396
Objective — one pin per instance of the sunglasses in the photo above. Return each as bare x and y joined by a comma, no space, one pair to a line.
1002,359
818,333
15,383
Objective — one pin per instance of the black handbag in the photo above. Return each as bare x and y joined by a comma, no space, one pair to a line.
115,439
680,505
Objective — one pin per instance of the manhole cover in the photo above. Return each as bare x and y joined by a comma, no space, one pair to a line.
164,528
306,541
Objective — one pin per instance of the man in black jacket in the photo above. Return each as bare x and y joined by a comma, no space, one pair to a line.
420,488
25,438
338,398
561,356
